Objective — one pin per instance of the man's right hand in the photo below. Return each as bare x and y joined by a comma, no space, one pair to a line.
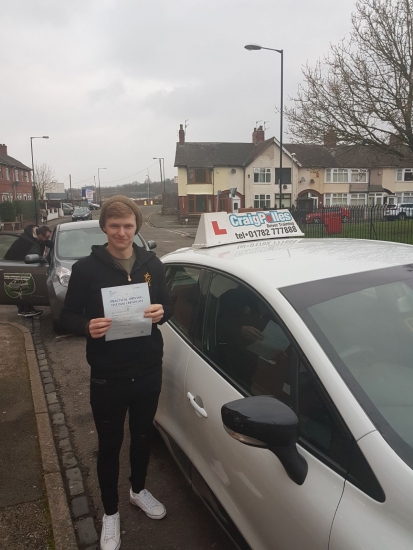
99,327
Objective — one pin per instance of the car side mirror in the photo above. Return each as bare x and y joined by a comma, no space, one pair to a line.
263,421
34,259
152,245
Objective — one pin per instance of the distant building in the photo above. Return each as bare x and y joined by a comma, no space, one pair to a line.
15,178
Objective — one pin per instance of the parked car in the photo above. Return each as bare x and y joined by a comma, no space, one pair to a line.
81,213
287,394
48,280
321,215
67,209
93,206
399,211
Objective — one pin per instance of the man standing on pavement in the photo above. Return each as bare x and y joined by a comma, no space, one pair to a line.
125,374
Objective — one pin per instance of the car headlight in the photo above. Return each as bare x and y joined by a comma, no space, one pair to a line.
63,275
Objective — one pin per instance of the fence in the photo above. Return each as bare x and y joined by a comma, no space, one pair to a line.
385,223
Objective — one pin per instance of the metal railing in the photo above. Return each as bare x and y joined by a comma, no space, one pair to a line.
384,222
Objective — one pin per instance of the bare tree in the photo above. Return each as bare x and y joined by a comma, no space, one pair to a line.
44,179
362,92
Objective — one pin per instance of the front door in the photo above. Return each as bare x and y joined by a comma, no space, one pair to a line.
21,282
270,510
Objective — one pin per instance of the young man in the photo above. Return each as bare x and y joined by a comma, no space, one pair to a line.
125,374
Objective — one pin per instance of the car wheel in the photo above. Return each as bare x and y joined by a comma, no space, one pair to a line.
401,216
317,220
344,219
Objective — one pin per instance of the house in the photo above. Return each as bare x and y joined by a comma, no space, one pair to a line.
216,176
15,178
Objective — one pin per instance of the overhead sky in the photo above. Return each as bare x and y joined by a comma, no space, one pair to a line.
111,80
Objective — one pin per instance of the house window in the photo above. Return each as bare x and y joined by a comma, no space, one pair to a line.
345,175
26,176
199,175
404,174
358,199
333,199
285,200
197,203
1,173
16,175
286,175
7,173
262,201
262,175
19,196
4,197
376,199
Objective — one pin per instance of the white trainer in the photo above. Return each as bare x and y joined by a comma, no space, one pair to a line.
110,537
148,504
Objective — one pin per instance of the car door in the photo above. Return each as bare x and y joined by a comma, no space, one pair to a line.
184,284
20,281
269,510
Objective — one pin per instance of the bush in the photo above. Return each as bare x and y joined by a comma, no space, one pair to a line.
25,209
7,212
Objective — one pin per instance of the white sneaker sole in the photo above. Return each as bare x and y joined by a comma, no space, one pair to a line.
147,513
117,547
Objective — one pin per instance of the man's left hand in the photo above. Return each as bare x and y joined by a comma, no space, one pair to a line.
155,312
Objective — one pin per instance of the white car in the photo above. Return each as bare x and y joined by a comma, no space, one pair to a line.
399,211
287,394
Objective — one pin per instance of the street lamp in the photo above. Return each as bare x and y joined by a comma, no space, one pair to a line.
253,47
161,161
100,196
33,176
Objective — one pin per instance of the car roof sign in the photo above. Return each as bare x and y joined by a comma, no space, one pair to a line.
220,228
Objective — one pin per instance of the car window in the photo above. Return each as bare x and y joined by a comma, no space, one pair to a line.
77,243
5,244
244,339
184,287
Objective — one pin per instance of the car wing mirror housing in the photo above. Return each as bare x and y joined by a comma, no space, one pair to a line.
34,259
263,421
152,245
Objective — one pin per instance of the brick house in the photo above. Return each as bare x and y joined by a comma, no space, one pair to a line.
15,178
216,176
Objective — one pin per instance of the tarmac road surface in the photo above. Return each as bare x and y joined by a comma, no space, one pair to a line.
188,524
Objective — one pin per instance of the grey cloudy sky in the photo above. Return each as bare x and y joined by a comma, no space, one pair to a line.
111,80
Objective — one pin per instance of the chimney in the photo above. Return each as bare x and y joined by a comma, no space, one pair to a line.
395,140
258,135
181,135
3,149
330,139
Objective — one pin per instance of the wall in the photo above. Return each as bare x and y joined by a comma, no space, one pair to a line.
224,179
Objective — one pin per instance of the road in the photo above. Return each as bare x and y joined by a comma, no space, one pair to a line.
188,524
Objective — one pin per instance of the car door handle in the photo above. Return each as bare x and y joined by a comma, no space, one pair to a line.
195,405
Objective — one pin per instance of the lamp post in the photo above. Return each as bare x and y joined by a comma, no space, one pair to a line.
33,176
253,47
100,196
161,161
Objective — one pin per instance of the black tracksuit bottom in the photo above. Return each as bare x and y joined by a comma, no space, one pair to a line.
110,400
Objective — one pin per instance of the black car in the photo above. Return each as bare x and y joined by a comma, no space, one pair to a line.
81,213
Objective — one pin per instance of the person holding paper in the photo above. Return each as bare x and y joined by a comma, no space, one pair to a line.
125,372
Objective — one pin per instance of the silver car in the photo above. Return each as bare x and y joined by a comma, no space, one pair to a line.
47,278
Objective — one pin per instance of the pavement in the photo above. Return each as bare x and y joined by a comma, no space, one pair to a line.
38,471
34,512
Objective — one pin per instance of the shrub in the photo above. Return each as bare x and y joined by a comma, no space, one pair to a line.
25,209
7,212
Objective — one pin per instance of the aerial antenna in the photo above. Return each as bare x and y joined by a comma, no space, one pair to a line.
186,124
265,124
256,123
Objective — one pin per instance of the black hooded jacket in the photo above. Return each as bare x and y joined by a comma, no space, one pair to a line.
130,357
25,244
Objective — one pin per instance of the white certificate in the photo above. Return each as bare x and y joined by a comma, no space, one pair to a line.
274,341
125,305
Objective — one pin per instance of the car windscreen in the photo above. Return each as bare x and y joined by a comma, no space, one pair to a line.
77,243
364,322
81,211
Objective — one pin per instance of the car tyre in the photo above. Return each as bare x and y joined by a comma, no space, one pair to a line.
317,220
344,219
401,216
